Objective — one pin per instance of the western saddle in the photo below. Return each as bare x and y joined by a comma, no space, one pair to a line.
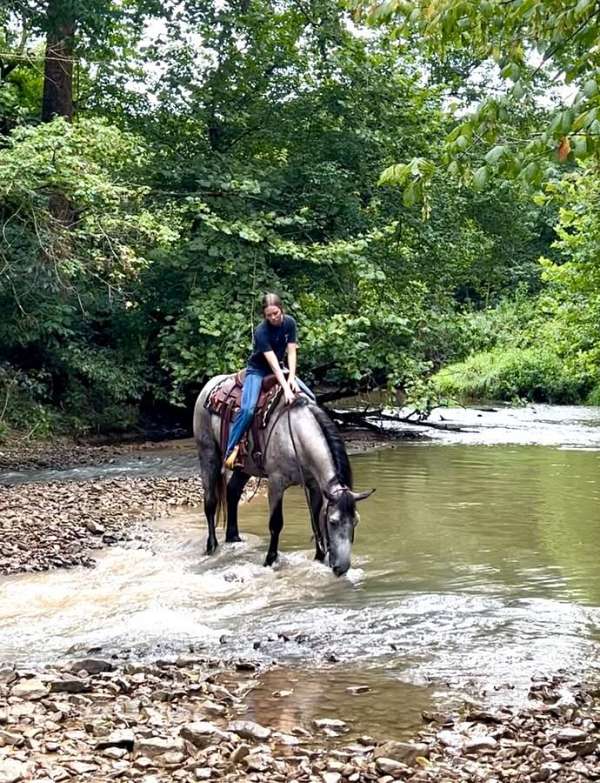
225,401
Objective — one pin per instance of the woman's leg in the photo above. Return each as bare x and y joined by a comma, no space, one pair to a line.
304,388
243,419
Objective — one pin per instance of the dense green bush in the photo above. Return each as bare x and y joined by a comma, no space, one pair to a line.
509,373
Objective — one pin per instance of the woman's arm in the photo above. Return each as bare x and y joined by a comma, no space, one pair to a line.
271,358
292,354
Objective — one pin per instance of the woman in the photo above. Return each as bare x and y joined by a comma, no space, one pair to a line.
275,337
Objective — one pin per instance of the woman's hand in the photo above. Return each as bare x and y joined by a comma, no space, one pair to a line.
294,385
289,395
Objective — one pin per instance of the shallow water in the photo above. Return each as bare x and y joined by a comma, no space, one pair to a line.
473,568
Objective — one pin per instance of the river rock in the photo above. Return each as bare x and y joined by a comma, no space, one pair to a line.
80,767
450,739
202,733
389,766
120,738
569,734
203,773
481,743
406,752
30,690
92,665
331,777
332,724
212,707
356,689
156,746
11,770
114,753
11,738
171,759
249,730
259,762
72,685
239,753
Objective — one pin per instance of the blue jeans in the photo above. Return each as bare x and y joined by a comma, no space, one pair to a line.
243,419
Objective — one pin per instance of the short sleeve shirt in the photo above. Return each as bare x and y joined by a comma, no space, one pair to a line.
271,338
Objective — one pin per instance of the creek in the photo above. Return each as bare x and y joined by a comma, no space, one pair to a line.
475,567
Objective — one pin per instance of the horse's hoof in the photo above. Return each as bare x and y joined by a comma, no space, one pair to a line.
211,547
271,558
233,539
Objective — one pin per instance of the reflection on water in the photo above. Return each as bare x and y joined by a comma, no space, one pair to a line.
473,568
381,705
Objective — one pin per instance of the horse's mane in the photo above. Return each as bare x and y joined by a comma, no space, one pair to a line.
336,445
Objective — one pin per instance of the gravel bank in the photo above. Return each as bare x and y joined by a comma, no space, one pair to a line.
100,720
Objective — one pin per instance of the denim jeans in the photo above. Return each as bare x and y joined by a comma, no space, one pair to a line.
243,419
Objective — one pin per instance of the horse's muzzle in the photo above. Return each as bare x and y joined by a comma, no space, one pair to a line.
340,569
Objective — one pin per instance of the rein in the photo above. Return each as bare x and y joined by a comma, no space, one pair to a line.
323,545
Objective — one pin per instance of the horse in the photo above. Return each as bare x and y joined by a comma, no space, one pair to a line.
302,447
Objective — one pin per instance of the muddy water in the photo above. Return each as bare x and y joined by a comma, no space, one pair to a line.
474,567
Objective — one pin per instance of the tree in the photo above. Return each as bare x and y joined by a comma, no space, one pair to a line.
535,45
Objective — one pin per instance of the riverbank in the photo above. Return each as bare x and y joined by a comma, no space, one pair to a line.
60,524
101,719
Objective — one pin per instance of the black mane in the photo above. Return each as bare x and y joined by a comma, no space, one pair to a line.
336,446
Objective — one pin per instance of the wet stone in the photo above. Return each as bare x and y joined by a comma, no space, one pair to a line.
249,730
92,666
330,724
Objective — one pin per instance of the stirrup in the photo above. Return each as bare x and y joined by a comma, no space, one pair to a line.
232,458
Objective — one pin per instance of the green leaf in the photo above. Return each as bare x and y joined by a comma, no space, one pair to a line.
495,154
480,177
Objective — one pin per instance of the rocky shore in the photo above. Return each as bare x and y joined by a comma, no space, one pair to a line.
63,453
100,720
59,524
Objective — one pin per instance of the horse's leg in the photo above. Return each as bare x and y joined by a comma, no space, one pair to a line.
210,471
276,489
316,504
235,487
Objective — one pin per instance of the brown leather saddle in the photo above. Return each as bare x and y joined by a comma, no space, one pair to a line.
225,400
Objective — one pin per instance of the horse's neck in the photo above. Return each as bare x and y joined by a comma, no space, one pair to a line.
315,453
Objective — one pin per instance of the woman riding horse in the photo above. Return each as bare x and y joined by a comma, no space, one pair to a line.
275,337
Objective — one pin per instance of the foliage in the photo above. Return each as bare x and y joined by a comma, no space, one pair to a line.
536,374
240,151
533,46
66,285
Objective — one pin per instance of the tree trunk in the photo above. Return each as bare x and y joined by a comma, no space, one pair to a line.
58,66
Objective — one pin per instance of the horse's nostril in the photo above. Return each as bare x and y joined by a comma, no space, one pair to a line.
339,570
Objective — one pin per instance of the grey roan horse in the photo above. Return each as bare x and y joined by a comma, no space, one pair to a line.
303,447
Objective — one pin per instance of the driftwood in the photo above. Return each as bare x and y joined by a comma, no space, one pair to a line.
363,419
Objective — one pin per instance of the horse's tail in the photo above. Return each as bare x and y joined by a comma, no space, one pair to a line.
209,451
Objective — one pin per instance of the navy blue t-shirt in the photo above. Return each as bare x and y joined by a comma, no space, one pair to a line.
271,338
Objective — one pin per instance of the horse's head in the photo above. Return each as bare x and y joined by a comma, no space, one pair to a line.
338,521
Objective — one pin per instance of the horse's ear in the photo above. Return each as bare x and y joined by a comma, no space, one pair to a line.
362,495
